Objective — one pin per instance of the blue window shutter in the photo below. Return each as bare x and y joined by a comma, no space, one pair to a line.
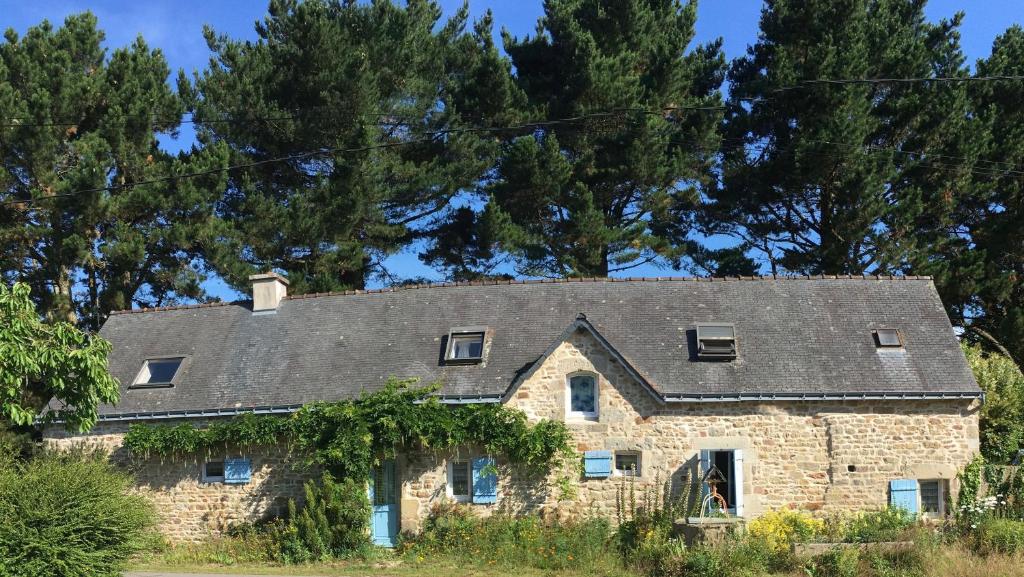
237,471
597,464
903,494
485,481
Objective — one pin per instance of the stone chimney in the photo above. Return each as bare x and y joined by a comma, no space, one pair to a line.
267,291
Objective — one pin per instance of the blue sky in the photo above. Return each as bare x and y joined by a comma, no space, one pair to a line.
176,28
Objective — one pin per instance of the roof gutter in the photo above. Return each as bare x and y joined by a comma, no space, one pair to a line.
481,399
201,413
740,397
469,399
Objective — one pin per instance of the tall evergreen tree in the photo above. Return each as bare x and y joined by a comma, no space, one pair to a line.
813,179
617,188
365,87
71,120
978,259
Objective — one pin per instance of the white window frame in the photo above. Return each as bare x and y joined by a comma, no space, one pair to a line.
215,478
457,332
450,486
582,415
941,483
737,480
624,473
145,374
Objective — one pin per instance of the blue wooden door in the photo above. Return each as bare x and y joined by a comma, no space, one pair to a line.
384,499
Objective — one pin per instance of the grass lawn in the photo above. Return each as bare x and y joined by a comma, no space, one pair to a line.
385,566
951,561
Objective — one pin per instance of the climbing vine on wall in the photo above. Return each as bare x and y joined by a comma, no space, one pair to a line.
346,438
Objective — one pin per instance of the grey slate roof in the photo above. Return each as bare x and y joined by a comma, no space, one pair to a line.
797,337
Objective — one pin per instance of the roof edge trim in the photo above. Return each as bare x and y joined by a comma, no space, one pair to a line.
473,399
740,397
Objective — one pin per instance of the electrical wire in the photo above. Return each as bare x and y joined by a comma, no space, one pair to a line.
22,122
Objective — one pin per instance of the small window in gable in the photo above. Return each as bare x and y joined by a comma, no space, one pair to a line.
716,341
158,373
465,345
582,396
888,338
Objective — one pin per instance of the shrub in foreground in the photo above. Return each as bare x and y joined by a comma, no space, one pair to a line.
455,530
333,523
67,515
1000,536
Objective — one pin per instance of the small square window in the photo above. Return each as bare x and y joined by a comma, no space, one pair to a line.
213,472
158,372
460,481
465,344
627,464
583,396
888,338
932,498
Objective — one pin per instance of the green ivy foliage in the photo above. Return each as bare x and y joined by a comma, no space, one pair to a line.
347,438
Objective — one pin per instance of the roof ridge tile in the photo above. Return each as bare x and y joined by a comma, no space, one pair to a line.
506,282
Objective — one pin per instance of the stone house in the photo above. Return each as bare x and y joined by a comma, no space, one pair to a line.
825,394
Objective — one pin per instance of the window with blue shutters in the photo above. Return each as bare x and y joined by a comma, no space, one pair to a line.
237,471
597,464
485,480
903,495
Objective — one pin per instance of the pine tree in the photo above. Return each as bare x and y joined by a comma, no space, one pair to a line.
366,87
812,177
982,261
74,120
618,187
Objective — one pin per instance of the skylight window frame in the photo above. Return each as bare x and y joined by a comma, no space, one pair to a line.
469,331
878,341
714,356
182,365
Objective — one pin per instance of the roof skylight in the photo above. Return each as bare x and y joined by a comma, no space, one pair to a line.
158,373
888,338
465,344
716,341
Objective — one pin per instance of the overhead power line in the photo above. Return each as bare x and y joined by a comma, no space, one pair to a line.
158,118
432,135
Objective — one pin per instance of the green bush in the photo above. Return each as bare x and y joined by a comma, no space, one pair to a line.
1000,536
696,562
68,515
332,523
505,540
841,562
876,526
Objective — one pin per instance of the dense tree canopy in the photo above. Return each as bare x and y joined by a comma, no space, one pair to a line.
80,220
621,138
983,282
810,179
371,94
355,130
43,362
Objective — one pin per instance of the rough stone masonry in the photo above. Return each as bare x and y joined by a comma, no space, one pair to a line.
815,455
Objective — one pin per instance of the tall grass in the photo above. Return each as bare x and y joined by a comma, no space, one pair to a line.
454,530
